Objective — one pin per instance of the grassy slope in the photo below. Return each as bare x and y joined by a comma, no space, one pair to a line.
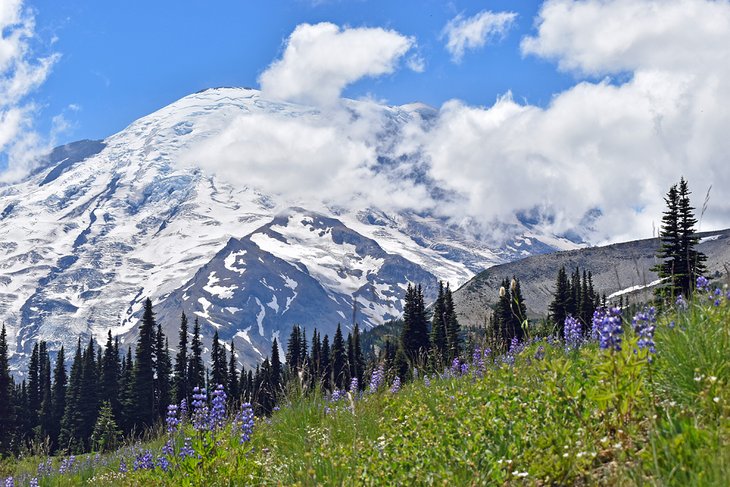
582,417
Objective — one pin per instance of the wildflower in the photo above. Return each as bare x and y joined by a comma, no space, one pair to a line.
426,381
354,386
218,412
144,461
478,361
680,303
672,325
514,346
163,463
45,468
123,466
171,418
396,385
167,448
502,292
9,482
183,409
376,379
66,464
717,302
247,422
33,482
200,409
644,324
703,284
607,328
187,449
540,353
572,332
337,395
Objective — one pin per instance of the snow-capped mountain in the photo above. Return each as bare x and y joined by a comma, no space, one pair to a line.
100,226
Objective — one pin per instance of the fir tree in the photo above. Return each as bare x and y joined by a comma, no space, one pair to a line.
558,307
181,387
196,370
88,395
414,335
45,418
106,435
33,388
691,263
163,370
275,378
293,349
453,329
144,377
339,360
438,330
232,385
109,383
218,362
58,400
7,391
325,367
70,435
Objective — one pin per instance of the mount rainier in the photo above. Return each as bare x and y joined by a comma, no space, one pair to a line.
100,226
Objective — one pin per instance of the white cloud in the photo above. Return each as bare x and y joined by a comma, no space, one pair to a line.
20,74
474,32
320,60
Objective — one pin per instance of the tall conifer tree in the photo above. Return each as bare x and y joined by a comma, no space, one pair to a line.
181,387
144,374
7,391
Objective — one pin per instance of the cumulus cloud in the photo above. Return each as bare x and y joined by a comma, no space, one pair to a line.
598,158
20,74
320,60
464,33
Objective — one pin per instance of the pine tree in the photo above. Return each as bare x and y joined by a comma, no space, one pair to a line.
88,395
110,369
196,370
126,392
144,375
670,245
293,349
438,330
219,364
359,358
326,366
691,262
33,387
558,307
453,329
339,360
181,387
163,370
106,435
58,400
414,335
275,379
70,435
232,386
45,418
7,391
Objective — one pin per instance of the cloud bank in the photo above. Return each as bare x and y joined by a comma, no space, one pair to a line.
320,60
599,158
20,74
474,32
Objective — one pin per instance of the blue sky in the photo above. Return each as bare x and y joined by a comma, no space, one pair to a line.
122,60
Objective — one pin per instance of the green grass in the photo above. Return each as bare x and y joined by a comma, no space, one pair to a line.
586,417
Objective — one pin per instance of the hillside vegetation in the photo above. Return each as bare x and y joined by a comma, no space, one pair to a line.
647,403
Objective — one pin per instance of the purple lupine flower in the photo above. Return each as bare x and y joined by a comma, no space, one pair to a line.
163,463
247,422
478,361
596,322
717,292
171,418
514,346
610,330
167,448
187,449
680,303
33,482
644,324
573,333
338,395
66,464
9,482
456,366
376,379
426,381
123,466
540,353
717,302
354,386
218,412
464,368
200,409
45,468
703,284
183,410
144,461
396,385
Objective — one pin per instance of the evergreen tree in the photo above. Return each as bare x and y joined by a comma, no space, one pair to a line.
109,383
163,370
143,390
414,335
438,330
359,358
33,388
126,392
339,360
326,366
510,312
23,430
670,246
106,435
196,370
558,307
232,385
315,363
7,391
46,410
453,329
58,400
88,395
70,434
218,362
293,350
181,388
275,378
691,262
